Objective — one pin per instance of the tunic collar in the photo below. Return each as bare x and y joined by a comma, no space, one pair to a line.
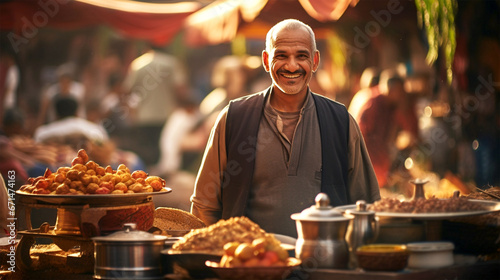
308,104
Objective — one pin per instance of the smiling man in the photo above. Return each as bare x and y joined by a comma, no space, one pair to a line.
271,153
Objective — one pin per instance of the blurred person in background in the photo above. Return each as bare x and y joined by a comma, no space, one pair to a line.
9,81
155,82
177,155
383,118
77,133
66,86
68,128
186,132
368,84
185,135
115,107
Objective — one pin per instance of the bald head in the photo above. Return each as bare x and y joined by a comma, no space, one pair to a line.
288,24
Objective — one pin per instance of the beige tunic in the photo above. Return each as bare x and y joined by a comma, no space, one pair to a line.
287,174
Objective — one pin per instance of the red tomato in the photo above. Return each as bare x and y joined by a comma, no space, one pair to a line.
271,256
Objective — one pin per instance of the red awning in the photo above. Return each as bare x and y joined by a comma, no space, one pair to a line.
219,22
156,22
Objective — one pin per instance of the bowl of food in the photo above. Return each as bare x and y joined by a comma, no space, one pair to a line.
189,253
257,272
382,257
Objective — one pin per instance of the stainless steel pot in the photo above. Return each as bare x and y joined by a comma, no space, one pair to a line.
321,233
363,229
128,254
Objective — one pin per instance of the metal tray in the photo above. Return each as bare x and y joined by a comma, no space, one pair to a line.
90,199
490,207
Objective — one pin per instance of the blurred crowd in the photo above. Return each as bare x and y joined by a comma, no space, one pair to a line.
148,115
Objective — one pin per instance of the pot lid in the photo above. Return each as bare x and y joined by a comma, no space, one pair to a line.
361,209
321,211
130,234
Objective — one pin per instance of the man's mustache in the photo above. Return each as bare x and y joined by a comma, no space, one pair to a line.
291,73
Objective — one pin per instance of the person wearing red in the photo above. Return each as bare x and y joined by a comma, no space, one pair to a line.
381,119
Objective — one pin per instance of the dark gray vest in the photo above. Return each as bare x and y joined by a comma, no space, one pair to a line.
242,126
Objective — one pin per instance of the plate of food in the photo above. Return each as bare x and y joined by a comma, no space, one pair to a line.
86,182
430,208
91,199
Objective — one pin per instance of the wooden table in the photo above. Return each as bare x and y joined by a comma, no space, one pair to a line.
479,271
488,270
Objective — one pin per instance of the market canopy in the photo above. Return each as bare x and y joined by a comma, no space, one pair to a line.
222,20
215,23
156,22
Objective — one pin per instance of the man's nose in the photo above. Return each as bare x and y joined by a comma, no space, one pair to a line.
292,65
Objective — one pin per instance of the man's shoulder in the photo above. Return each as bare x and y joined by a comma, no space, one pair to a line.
329,101
254,96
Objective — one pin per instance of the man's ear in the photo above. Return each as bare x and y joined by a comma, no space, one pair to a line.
265,60
315,61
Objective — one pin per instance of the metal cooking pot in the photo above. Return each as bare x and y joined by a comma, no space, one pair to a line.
321,233
128,254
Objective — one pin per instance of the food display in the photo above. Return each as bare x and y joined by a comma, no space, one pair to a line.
263,251
213,238
488,194
422,205
86,177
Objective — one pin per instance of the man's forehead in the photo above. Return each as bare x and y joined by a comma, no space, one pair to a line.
297,37
286,31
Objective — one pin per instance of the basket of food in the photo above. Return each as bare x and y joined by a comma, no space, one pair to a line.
235,242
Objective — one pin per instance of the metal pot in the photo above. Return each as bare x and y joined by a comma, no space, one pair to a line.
321,233
363,229
128,254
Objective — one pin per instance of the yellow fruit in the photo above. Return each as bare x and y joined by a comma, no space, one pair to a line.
233,262
224,261
230,247
260,245
244,251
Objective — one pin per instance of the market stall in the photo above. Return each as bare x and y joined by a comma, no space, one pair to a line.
455,237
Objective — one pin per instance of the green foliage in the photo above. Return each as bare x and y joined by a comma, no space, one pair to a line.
438,19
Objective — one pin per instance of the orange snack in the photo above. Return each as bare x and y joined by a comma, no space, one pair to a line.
87,177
